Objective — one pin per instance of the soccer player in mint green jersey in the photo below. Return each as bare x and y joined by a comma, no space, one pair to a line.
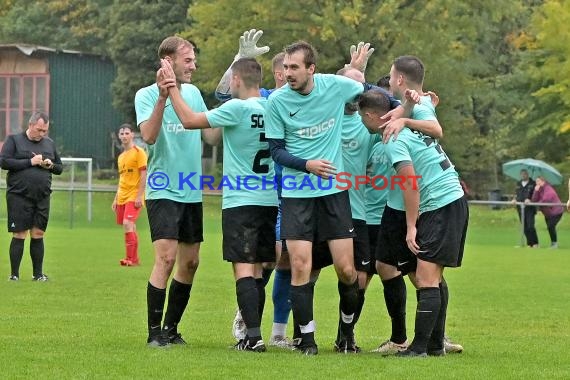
249,203
436,211
174,209
304,122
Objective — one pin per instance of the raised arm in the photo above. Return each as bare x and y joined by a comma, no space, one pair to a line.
247,49
150,128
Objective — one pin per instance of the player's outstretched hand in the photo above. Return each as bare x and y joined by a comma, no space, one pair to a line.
248,44
359,55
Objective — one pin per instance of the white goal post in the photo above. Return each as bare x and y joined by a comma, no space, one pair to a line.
72,161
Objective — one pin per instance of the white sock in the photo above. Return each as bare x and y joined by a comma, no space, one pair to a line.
278,329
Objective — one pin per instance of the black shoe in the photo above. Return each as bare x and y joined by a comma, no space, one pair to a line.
42,277
346,345
436,352
13,278
247,345
411,354
158,341
172,335
309,348
176,339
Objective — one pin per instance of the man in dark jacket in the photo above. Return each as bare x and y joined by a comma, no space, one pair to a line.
523,192
30,158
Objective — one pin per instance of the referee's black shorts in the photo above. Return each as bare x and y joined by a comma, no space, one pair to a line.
25,213
441,234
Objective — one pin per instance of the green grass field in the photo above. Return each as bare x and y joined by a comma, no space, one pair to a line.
509,307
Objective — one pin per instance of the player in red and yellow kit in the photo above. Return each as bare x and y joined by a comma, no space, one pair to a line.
129,199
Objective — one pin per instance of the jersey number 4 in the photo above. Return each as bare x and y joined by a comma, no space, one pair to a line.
258,167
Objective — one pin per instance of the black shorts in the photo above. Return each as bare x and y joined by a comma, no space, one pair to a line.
321,255
441,234
180,221
361,245
321,218
391,247
25,213
373,230
249,234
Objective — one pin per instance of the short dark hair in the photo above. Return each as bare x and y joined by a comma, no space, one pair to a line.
169,46
249,70
411,67
384,82
277,61
125,126
37,116
375,101
309,52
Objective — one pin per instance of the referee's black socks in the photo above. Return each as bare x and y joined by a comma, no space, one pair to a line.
37,255
16,254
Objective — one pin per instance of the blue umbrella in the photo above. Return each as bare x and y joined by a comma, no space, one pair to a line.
535,168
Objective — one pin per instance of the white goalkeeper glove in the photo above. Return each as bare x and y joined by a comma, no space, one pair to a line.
359,55
248,45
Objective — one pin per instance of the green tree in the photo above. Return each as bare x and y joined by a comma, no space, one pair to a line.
136,29
62,24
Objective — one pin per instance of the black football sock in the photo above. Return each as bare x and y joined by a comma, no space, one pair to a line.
260,285
178,296
16,254
155,305
395,295
436,339
248,302
266,275
426,316
302,305
348,305
361,297
37,255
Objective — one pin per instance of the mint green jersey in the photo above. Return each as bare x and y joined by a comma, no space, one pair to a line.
311,126
175,159
376,198
355,149
439,183
248,167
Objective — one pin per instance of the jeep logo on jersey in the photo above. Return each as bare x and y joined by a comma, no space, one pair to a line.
174,128
311,132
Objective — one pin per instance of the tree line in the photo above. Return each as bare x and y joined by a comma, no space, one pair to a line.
499,67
